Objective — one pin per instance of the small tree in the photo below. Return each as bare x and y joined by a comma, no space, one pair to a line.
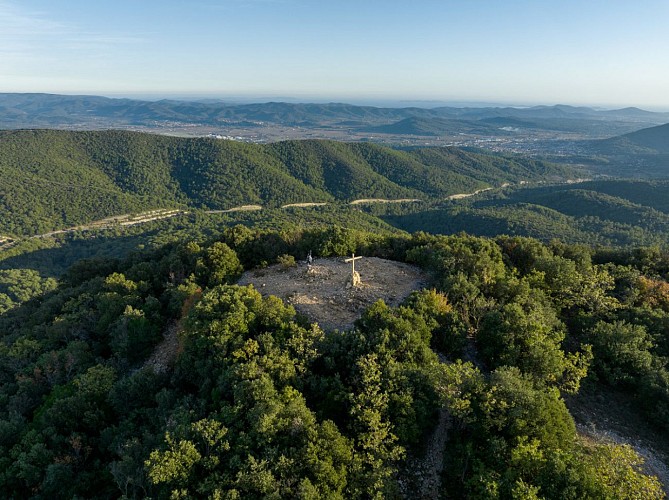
220,265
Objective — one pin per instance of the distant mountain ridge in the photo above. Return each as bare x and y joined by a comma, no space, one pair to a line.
52,110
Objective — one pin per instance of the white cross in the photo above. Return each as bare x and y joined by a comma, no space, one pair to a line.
352,261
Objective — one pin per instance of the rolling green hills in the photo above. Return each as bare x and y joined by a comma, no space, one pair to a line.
52,179
642,154
649,140
144,371
617,213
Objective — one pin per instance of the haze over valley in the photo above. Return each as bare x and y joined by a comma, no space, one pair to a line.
539,129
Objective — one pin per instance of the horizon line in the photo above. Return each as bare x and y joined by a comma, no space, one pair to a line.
360,100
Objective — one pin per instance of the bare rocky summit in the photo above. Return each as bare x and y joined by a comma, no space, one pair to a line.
323,293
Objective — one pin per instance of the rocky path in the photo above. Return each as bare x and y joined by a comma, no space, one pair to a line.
421,477
363,201
433,463
312,204
6,242
653,461
241,208
609,416
166,352
153,215
461,196
118,220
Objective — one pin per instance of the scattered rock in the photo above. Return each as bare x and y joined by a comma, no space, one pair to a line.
319,290
166,352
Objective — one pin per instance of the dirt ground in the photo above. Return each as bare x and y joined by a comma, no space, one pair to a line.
607,415
322,291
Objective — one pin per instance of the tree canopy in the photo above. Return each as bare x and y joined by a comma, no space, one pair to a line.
248,399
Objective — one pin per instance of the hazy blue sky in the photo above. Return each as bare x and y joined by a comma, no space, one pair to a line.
601,52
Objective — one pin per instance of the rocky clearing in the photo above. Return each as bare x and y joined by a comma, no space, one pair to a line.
320,291
610,416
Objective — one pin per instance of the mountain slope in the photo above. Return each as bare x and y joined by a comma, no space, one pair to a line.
353,170
597,212
336,168
651,194
649,140
643,153
50,179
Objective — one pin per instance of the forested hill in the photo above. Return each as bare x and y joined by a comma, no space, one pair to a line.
641,154
647,140
51,179
598,212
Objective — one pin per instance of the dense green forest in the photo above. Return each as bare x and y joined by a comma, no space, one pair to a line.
642,153
29,266
53,179
602,212
605,213
52,256
256,402
133,366
651,140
